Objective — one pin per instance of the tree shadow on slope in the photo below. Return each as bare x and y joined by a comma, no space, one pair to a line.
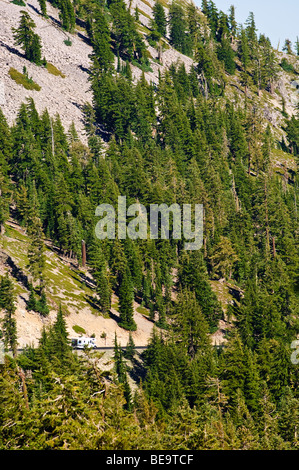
34,9
138,371
13,50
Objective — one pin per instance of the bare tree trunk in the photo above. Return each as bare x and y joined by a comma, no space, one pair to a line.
267,218
52,138
274,248
24,388
83,250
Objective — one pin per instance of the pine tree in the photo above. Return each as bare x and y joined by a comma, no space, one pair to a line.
67,15
160,18
193,275
5,139
128,41
59,339
244,49
287,47
36,49
43,7
269,67
232,21
102,55
130,348
25,37
121,371
160,307
178,26
189,324
31,304
118,263
251,35
7,303
233,369
288,417
103,290
193,22
223,258
42,305
36,249
126,297
4,197
226,54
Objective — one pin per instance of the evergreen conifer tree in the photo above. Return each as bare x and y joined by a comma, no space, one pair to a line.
160,18
25,37
59,339
31,304
130,348
43,7
7,303
126,298
102,55
36,250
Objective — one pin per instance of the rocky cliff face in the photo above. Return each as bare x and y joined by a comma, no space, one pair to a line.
59,95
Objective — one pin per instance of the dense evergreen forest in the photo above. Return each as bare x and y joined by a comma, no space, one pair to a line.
181,140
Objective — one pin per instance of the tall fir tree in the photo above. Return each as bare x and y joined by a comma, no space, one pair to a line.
7,303
160,18
126,297
25,37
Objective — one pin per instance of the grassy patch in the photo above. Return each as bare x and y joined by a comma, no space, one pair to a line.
78,329
164,3
165,45
19,290
143,29
80,29
23,79
147,3
65,286
143,311
18,251
13,233
141,12
283,158
279,170
54,70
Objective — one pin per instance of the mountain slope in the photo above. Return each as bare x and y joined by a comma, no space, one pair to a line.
59,95
66,95
68,285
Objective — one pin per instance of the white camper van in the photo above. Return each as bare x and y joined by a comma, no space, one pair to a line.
81,343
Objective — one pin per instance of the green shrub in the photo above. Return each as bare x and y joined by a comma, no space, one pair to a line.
23,79
287,67
54,70
143,66
20,3
67,42
78,329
